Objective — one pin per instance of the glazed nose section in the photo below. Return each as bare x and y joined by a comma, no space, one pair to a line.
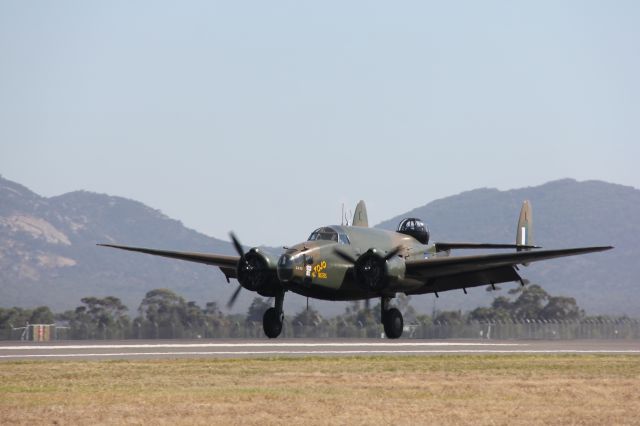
285,268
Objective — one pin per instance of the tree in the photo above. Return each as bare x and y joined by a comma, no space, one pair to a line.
502,303
307,317
194,316
403,303
501,310
217,322
257,309
484,314
41,315
449,318
12,318
163,313
530,302
562,309
98,317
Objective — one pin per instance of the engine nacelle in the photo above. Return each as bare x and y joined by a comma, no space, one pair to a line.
415,228
258,273
374,273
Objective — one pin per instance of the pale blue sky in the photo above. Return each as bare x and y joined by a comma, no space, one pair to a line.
263,117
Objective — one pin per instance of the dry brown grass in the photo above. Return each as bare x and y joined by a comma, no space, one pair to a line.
443,390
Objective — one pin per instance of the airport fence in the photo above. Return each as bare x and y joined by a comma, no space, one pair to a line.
530,329
623,328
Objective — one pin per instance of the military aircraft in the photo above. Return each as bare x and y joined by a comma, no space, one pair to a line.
355,262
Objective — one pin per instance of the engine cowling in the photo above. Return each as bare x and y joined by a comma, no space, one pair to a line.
257,272
373,272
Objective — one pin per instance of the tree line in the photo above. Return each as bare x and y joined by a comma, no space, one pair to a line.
163,314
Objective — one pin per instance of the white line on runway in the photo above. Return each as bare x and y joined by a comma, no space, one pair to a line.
357,352
255,345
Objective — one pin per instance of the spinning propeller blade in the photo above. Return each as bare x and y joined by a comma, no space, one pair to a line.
344,256
233,298
237,244
238,247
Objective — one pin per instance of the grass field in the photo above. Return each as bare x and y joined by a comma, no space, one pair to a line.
443,390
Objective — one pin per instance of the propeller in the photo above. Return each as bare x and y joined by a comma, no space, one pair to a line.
241,261
369,267
349,258
345,256
234,296
237,245
252,270
393,253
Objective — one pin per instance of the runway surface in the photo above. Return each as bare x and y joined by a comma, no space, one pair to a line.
157,349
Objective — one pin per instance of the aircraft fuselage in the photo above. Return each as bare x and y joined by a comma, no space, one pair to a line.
313,269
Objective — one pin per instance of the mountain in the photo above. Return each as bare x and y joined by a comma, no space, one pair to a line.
566,213
48,254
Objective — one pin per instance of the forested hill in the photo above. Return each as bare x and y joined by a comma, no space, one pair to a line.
566,213
48,254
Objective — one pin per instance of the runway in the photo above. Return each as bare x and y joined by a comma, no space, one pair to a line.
158,349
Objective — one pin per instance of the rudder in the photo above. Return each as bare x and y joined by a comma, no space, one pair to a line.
524,235
360,216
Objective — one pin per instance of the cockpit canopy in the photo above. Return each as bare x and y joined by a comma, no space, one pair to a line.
328,233
414,227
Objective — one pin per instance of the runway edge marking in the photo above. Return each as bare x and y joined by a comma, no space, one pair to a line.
355,352
253,345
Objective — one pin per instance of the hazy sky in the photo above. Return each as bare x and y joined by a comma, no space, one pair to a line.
263,117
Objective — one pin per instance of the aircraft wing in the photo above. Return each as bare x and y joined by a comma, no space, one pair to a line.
449,246
448,273
227,264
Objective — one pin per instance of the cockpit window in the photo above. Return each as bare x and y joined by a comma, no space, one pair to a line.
324,234
329,234
411,224
343,239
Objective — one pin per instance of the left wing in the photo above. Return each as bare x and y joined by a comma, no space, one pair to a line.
448,273
227,264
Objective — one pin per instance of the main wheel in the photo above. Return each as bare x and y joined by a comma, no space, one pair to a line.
393,323
272,323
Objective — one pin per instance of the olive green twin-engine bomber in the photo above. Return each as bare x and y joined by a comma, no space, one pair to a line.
355,262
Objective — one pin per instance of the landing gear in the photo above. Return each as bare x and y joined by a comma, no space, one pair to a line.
391,320
273,319
272,323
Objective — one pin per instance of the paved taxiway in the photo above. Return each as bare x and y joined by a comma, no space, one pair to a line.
152,349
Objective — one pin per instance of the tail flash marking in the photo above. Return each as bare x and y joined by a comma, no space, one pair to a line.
525,225
524,235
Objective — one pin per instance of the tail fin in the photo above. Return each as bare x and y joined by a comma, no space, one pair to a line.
524,235
360,216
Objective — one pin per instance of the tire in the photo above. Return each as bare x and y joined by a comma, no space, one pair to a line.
272,323
393,323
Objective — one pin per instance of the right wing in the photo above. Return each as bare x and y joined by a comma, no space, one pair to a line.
227,264
450,246
456,272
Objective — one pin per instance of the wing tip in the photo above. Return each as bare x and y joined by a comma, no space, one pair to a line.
107,245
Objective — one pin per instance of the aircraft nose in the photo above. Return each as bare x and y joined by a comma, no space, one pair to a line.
285,268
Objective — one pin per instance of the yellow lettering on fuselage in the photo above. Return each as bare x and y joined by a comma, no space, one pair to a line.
318,270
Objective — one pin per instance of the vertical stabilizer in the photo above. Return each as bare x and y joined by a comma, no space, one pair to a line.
360,216
524,235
